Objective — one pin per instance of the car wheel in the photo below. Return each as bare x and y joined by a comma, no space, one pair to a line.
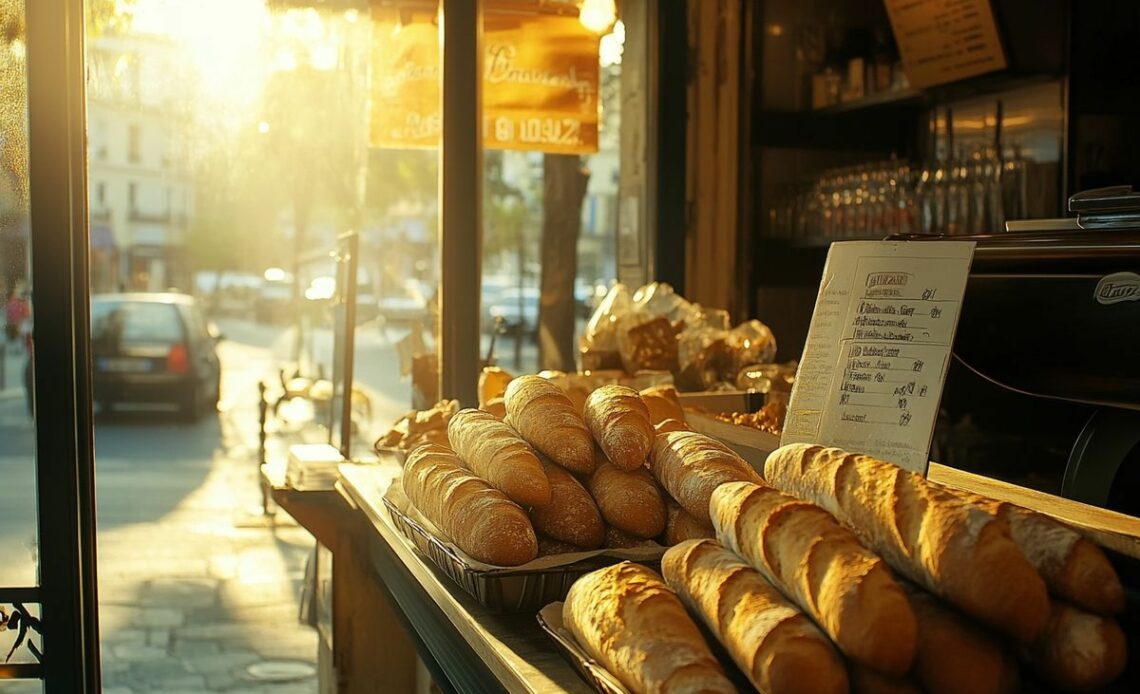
190,405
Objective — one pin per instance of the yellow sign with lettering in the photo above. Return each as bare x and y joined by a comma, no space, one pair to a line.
540,82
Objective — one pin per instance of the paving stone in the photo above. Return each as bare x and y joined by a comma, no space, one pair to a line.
230,662
158,617
182,647
180,592
136,654
196,683
121,636
220,681
152,672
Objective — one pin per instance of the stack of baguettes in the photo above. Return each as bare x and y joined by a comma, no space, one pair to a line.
846,573
583,475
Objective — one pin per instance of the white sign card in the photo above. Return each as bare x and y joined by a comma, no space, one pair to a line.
876,355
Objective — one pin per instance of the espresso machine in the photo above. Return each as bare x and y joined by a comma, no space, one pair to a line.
1043,388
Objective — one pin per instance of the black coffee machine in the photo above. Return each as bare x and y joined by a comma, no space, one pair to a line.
1044,386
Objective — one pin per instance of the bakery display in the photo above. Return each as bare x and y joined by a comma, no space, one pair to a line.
478,518
663,404
844,587
419,427
935,538
619,420
546,418
571,515
680,525
773,642
619,539
495,452
1078,650
626,618
690,466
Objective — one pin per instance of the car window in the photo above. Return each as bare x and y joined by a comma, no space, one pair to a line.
134,322
195,323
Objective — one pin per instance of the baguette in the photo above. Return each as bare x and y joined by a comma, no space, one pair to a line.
546,418
492,383
775,645
1078,650
663,403
848,590
619,421
938,540
680,525
495,408
571,516
495,452
628,620
667,425
617,539
690,466
628,499
1075,569
955,655
476,517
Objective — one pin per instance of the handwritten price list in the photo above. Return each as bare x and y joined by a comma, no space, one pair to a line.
877,352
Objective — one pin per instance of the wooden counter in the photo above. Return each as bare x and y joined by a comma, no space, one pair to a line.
473,649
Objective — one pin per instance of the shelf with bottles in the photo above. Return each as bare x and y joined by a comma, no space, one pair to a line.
972,193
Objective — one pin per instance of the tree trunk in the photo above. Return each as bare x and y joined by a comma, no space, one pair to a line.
564,188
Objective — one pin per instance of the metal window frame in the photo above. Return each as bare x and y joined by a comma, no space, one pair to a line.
59,239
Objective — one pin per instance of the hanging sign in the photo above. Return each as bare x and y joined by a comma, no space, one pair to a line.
877,351
540,82
944,41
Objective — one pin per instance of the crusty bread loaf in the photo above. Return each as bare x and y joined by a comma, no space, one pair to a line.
628,499
496,452
954,654
1075,569
690,465
680,525
848,590
546,418
571,516
478,518
617,539
495,407
667,425
492,384
773,642
619,421
1078,650
628,620
663,403
864,680
938,540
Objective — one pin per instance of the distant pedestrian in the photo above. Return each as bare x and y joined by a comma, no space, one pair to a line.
29,366
15,313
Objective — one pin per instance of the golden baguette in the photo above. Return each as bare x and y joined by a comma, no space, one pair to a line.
954,654
773,642
618,539
492,383
1075,569
619,421
629,500
571,516
1077,650
663,403
628,620
820,565
667,425
478,518
690,465
546,418
680,525
945,544
496,452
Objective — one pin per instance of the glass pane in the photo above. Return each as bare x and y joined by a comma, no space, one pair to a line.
542,204
228,149
18,543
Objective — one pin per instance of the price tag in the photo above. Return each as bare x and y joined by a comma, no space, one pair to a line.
875,360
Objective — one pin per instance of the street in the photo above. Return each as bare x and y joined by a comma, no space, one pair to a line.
195,588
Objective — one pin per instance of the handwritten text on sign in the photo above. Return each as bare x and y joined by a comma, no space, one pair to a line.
944,41
878,348
540,82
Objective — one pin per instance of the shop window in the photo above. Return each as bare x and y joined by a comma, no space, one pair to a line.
134,144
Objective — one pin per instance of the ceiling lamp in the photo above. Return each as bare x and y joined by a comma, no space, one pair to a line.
597,15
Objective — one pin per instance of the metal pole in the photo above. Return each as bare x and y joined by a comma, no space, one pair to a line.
461,178
65,464
352,241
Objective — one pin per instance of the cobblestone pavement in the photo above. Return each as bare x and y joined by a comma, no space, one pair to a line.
191,597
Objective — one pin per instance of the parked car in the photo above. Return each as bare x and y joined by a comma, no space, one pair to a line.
154,348
518,309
